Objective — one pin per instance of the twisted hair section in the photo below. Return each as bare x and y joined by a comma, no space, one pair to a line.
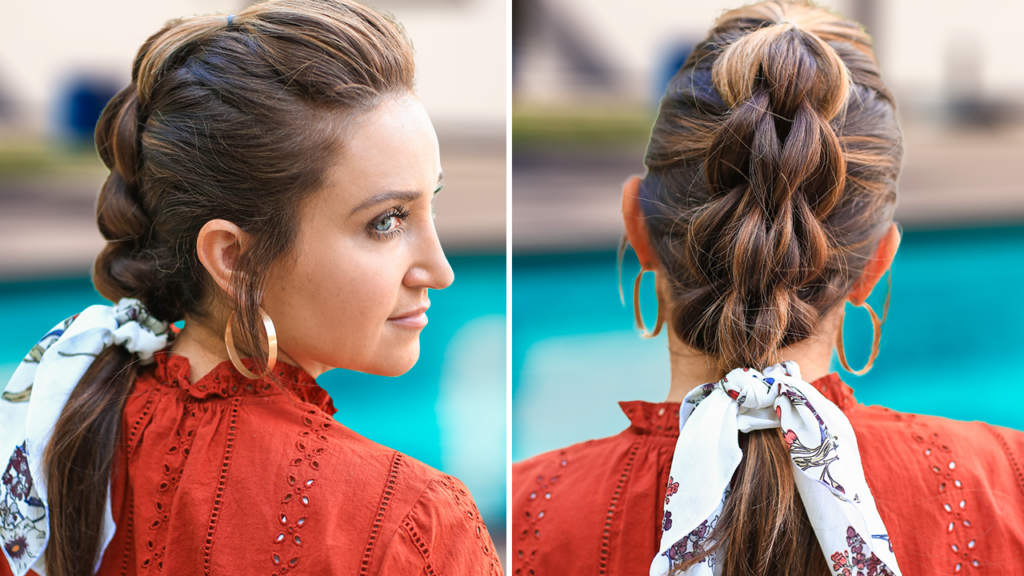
240,123
772,173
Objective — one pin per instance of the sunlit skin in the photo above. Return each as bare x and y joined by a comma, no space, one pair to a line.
691,368
354,292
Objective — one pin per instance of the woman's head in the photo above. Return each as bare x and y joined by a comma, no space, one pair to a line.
241,157
771,180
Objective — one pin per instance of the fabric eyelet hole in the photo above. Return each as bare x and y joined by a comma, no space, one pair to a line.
947,507
301,521
276,559
154,525
314,465
298,540
305,501
284,519
287,498
149,544
163,486
942,487
172,449
145,563
971,544
307,421
280,537
956,548
293,562
309,483
975,563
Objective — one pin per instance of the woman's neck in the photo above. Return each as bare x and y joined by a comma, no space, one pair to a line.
691,368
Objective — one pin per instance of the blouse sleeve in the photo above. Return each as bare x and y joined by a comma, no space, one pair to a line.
442,534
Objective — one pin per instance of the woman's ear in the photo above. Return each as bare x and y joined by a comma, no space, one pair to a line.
218,246
876,266
636,226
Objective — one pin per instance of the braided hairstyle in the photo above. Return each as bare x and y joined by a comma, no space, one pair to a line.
238,120
772,173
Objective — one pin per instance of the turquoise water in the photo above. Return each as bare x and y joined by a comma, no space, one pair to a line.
948,347
448,411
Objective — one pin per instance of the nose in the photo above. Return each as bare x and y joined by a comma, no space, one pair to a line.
431,269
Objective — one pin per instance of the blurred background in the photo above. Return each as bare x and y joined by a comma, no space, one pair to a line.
58,68
587,76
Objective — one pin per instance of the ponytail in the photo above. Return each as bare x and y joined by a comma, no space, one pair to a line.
771,177
79,459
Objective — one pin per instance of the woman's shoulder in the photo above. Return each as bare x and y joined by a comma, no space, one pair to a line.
951,493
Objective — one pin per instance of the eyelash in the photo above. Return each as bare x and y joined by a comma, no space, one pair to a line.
398,212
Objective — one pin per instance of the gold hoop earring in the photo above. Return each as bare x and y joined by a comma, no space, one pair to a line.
636,310
229,342
876,340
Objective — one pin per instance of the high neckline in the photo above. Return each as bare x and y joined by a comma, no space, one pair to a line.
662,418
225,381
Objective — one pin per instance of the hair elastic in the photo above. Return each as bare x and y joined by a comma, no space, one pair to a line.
231,20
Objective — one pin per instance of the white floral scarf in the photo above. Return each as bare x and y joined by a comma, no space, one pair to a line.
826,466
31,404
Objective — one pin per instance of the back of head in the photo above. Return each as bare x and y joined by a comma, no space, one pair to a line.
772,173
237,118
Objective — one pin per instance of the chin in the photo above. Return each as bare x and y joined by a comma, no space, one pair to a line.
397,362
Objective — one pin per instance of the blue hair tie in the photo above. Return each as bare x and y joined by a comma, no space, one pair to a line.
231,20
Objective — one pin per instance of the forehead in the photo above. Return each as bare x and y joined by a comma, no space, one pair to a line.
393,147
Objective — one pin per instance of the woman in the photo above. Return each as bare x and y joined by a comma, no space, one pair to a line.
767,205
271,176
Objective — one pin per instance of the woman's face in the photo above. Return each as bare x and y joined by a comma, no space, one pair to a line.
356,294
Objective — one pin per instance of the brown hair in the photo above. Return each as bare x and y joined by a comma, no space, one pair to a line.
236,120
772,173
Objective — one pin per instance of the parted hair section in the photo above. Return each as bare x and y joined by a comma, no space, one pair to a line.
772,173
238,119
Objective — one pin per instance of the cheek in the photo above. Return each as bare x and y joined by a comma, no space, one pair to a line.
334,303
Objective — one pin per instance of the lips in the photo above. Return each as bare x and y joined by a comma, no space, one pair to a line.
415,318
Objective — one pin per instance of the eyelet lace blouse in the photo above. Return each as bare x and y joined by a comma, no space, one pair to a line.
950,493
229,475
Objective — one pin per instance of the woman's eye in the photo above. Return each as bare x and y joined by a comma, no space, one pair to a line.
389,223
386,224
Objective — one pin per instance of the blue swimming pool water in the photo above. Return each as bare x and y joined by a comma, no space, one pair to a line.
949,348
448,411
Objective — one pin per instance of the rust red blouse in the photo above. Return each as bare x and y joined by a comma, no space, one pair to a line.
951,493
236,476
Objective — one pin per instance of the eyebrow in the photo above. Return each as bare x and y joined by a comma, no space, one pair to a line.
402,195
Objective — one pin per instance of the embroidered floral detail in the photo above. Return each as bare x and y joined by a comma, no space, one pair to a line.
297,503
953,499
465,503
536,498
671,489
846,562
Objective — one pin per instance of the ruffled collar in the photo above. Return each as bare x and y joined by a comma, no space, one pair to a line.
224,381
662,418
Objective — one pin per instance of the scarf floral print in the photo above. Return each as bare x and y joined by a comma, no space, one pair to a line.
34,399
826,464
